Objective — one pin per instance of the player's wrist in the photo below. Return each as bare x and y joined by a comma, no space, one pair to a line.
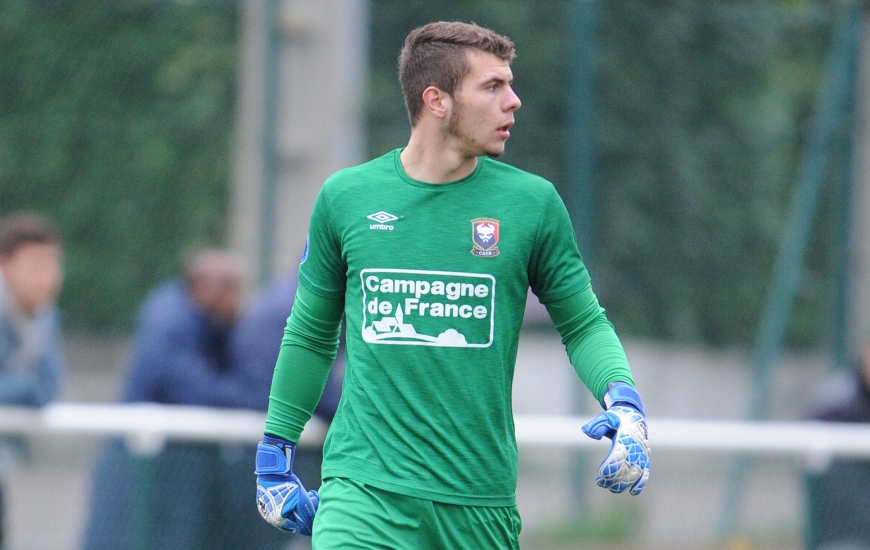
274,439
622,393
275,456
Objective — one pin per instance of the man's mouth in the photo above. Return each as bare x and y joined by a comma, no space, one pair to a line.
504,132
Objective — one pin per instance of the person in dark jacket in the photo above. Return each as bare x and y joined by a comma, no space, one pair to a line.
839,497
181,499
180,353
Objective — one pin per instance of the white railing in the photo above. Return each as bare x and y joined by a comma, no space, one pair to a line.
146,426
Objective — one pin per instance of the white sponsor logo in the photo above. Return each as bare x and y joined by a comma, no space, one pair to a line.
382,218
427,308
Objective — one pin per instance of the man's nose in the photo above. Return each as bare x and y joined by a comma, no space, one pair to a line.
513,100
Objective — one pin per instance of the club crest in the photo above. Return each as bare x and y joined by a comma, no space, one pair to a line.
484,235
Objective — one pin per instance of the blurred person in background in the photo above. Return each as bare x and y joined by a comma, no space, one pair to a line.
839,497
181,346
253,351
31,358
181,356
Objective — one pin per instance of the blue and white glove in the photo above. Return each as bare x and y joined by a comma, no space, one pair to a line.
626,466
281,498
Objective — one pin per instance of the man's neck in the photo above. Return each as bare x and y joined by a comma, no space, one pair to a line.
431,159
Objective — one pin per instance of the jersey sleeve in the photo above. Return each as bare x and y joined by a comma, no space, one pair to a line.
591,341
323,270
556,269
312,334
307,351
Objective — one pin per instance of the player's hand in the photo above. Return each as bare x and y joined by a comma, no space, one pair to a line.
626,466
281,498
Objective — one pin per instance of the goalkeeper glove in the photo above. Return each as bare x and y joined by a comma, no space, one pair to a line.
281,498
626,466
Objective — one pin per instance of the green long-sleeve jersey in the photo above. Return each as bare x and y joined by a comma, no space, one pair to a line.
433,279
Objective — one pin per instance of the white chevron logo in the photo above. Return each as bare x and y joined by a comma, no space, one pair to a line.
382,217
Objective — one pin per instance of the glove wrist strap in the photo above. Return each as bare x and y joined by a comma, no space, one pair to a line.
620,392
275,456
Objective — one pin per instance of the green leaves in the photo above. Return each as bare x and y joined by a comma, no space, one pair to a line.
115,120
699,138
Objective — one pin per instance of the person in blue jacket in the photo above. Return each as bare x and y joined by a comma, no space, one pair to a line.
195,345
181,349
181,498
31,357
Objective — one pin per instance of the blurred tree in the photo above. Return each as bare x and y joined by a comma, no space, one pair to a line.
699,119
700,127
115,120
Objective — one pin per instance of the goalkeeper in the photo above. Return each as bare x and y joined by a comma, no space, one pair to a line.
428,253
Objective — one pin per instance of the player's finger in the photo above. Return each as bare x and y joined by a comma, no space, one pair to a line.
640,484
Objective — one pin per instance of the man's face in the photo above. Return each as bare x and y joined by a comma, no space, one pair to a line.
483,107
33,274
218,292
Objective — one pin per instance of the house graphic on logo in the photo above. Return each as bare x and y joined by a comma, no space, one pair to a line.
394,327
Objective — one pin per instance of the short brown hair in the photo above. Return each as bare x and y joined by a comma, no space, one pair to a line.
435,55
23,228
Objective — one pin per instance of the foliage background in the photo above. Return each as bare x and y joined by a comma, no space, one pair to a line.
116,120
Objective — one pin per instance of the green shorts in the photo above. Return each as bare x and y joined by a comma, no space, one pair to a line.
354,515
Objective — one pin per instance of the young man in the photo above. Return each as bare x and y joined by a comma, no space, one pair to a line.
429,252
31,274
31,359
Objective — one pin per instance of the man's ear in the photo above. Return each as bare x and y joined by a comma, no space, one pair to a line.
437,101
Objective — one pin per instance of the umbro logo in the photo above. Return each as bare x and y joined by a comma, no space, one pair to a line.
382,218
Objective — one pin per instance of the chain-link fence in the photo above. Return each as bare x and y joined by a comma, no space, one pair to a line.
53,495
